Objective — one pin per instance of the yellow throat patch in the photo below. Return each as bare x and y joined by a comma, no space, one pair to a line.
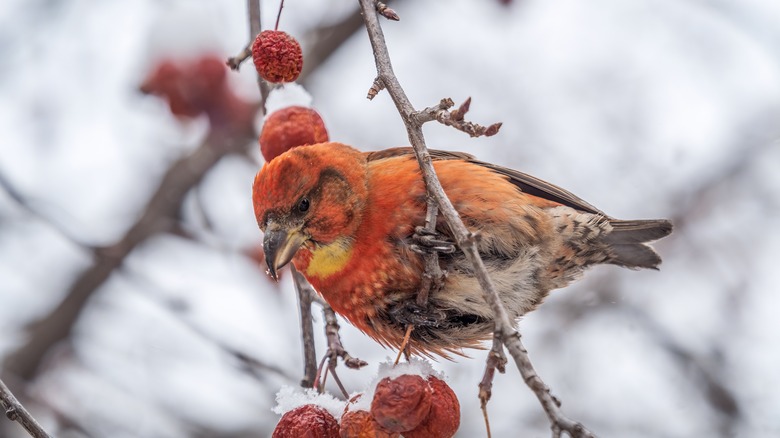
329,259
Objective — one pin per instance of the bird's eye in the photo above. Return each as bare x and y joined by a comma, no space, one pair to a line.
303,205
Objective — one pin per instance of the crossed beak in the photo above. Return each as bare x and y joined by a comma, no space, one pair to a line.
280,246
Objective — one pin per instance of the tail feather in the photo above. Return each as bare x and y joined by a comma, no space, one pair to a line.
638,231
627,242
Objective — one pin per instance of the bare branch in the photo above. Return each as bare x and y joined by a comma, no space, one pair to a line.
279,14
433,276
247,362
335,347
455,118
16,412
335,351
253,11
234,62
305,295
466,240
496,361
26,204
159,215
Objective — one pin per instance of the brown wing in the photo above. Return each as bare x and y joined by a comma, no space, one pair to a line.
525,182
407,151
537,187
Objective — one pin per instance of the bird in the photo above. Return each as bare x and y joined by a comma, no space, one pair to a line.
351,223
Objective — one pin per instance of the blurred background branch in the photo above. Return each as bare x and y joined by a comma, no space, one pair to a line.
160,215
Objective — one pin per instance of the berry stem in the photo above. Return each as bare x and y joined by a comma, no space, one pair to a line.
279,15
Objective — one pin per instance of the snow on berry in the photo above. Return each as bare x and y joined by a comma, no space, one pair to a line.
387,369
278,56
400,404
284,95
307,421
289,398
290,127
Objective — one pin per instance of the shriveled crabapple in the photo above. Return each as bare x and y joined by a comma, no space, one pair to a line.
278,56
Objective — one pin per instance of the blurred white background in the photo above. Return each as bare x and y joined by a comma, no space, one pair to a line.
645,109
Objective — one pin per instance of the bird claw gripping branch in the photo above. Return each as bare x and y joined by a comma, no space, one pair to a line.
411,313
429,242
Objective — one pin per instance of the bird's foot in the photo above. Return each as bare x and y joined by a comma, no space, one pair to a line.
430,242
411,313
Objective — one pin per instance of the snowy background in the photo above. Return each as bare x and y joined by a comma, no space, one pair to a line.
645,109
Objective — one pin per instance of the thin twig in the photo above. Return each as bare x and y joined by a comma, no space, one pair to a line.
279,15
496,361
455,118
433,276
255,27
314,377
335,351
335,347
27,205
305,294
320,377
253,11
234,62
404,344
332,366
253,366
16,412
504,328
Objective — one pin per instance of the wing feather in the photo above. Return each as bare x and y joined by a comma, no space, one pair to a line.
524,182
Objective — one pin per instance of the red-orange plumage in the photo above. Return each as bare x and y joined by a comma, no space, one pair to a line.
362,210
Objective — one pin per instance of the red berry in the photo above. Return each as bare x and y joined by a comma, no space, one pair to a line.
278,56
401,404
212,71
290,127
360,424
444,418
162,79
204,82
192,87
167,81
307,421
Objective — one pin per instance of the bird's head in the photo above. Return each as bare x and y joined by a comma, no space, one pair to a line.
309,196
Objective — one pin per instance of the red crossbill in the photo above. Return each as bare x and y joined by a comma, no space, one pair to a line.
347,220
